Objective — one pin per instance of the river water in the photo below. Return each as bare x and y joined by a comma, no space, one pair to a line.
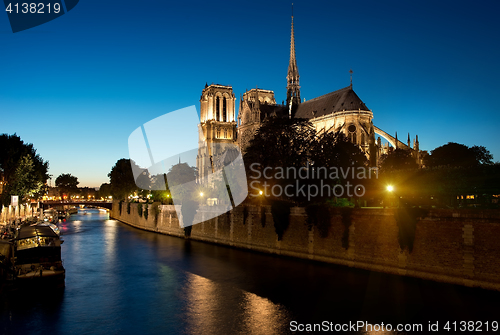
121,280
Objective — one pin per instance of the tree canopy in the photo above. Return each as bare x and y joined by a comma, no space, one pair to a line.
181,181
452,173
104,190
67,184
334,149
122,179
398,159
25,172
458,155
281,142
292,145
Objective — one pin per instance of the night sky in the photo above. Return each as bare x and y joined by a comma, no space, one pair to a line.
76,87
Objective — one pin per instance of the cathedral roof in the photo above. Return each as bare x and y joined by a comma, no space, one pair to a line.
268,110
272,111
337,101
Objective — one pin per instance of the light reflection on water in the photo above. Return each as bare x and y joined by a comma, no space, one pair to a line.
212,306
123,280
263,316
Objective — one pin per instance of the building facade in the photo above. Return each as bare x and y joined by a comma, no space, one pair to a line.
338,111
217,127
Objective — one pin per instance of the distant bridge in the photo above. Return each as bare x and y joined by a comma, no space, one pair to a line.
100,204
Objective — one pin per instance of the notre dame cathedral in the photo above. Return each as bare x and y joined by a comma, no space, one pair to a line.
341,110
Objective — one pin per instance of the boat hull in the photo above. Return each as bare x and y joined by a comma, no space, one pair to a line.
54,278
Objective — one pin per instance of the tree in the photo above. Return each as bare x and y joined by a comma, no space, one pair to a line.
159,189
458,155
482,155
16,158
122,179
398,159
182,183
67,184
333,149
286,147
104,191
451,172
24,182
182,177
281,142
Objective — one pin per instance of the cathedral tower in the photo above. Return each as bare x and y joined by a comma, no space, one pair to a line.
217,125
292,78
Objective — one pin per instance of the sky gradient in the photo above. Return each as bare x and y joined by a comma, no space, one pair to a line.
76,87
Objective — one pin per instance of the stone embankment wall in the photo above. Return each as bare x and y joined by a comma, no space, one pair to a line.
453,246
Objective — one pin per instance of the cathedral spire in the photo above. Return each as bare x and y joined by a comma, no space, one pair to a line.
292,78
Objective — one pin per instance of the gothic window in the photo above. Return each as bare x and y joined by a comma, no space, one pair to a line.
224,116
352,133
225,133
217,108
217,133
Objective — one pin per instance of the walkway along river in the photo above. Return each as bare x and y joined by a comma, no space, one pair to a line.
121,280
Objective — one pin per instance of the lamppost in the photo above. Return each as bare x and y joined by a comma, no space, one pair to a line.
201,196
389,189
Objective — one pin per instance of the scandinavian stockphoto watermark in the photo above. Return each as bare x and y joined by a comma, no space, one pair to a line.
163,152
325,185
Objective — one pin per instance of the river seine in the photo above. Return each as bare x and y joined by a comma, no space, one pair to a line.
120,280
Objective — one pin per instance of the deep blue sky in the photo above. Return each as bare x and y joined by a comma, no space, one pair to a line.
76,87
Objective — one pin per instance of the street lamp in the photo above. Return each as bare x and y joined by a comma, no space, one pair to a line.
387,197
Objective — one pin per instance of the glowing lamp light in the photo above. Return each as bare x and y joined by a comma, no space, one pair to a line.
260,192
201,194
390,188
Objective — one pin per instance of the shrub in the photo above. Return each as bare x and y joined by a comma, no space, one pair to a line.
340,202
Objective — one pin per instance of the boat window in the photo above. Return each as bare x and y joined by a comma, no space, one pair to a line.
37,241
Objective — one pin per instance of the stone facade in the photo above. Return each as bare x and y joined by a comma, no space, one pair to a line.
217,126
255,106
